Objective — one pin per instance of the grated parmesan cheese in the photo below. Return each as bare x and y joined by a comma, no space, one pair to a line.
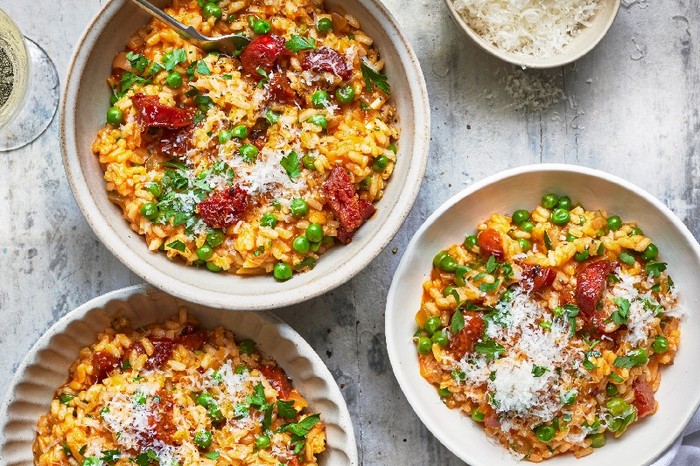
540,28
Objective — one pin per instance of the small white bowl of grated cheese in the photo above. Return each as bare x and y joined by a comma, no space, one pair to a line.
535,33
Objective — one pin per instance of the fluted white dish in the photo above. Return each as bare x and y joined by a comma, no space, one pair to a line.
45,367
522,188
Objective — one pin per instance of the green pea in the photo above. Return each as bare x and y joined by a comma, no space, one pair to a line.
615,425
261,27
203,439
549,201
282,272
345,94
249,152
318,120
380,163
470,242
581,256
447,291
225,136
598,440
268,220
211,9
314,232
262,442
527,227
215,238
570,238
424,345
240,132
560,217
301,244
432,324
611,389
174,80
520,216
439,257
545,433
308,162
392,148
660,345
614,223
448,264
639,356
564,203
324,25
247,346
212,267
444,392
635,231
650,252
155,189
319,99
205,252
114,116
626,258
149,210
478,416
440,338
299,207
617,406
525,245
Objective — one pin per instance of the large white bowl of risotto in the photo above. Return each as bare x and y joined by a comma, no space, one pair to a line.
255,179
547,314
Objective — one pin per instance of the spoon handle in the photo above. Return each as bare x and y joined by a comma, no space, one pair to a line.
187,32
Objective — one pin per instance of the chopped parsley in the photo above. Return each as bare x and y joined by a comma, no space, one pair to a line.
490,349
174,58
177,245
373,77
621,314
456,322
298,43
290,163
286,409
538,371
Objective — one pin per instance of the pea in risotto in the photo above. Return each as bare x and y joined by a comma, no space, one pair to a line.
252,163
549,327
175,394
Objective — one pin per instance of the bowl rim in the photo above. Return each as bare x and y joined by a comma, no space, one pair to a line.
524,60
169,282
284,330
392,313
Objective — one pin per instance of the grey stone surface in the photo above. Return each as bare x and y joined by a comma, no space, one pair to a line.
632,110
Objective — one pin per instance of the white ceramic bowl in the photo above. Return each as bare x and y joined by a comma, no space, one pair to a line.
85,102
46,365
522,188
582,43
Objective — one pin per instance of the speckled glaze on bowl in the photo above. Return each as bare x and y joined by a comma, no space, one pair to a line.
46,365
582,43
86,99
522,188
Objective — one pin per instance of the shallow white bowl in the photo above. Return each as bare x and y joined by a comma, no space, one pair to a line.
86,99
46,365
522,188
582,43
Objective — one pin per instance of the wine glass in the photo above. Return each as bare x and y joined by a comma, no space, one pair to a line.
29,87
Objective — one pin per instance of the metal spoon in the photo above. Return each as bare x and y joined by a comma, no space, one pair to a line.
229,45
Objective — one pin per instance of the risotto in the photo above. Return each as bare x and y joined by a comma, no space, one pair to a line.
256,162
549,328
176,394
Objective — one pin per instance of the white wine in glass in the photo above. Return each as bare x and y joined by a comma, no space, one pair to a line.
28,87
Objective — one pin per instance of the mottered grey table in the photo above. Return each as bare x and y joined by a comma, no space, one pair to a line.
631,108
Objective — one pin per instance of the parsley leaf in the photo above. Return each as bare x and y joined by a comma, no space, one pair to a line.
65,398
202,68
111,456
538,371
587,363
128,79
624,362
258,399
547,242
456,322
488,287
309,262
91,461
177,245
373,77
303,427
491,264
212,455
490,349
174,58
298,43
621,314
290,163
138,62
286,409
654,268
